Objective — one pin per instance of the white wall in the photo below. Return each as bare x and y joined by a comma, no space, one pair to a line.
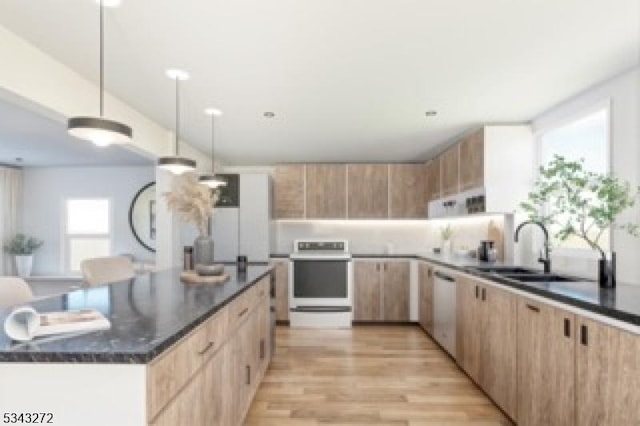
45,190
623,92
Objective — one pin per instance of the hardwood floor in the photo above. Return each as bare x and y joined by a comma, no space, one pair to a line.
369,375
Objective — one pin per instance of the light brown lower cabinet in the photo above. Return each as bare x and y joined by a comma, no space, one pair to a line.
282,289
607,375
223,370
381,290
425,296
546,360
486,339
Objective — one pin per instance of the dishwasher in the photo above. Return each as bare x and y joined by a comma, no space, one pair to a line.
444,311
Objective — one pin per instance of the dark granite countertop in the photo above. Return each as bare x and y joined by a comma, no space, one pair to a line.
147,316
621,303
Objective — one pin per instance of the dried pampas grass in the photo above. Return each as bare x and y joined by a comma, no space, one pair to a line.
192,201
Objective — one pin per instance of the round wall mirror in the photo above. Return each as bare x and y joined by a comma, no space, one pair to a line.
142,216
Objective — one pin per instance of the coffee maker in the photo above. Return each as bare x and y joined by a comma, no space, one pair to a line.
486,251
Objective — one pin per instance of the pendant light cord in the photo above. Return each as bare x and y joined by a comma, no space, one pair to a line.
177,116
101,58
213,136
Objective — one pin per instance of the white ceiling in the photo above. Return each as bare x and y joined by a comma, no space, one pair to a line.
41,141
349,80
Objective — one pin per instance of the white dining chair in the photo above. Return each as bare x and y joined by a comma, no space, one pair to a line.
14,291
104,270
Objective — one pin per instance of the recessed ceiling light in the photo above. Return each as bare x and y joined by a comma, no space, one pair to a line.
176,74
213,111
269,114
431,113
109,3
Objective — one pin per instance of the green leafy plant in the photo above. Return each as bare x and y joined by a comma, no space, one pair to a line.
446,232
579,202
22,245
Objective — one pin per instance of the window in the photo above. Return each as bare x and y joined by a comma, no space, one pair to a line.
584,137
87,231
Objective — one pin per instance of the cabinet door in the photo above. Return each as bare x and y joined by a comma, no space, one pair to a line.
470,321
282,289
264,336
395,293
288,191
366,297
499,339
432,176
186,408
407,189
326,189
215,394
368,191
238,358
449,172
472,161
607,375
425,306
545,364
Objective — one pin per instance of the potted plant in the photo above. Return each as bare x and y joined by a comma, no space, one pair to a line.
583,204
22,248
194,203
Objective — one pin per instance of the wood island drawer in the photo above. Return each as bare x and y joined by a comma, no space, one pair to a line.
169,373
238,310
216,332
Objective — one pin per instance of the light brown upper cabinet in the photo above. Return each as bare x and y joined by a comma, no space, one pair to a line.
407,189
368,191
472,161
546,365
449,162
432,176
607,375
288,191
326,191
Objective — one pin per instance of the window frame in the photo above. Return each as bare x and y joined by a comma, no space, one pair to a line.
554,124
67,237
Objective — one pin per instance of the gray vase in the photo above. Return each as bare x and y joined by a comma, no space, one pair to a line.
203,250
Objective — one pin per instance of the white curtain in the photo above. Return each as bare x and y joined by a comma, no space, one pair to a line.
10,212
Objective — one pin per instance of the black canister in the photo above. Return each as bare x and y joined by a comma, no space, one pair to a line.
187,258
242,263
483,250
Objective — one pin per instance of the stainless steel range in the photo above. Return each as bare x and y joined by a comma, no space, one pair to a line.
320,284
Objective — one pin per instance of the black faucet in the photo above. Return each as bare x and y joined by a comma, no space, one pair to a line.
546,260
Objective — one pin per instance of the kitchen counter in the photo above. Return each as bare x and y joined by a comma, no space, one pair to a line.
621,303
147,316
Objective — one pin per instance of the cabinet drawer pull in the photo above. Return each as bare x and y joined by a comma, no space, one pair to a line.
567,327
248,374
484,294
429,272
206,348
262,349
584,335
477,292
533,308
244,311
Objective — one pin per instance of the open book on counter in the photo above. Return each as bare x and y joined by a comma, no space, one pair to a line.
25,323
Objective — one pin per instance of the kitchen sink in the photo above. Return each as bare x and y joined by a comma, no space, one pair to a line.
539,278
523,275
502,270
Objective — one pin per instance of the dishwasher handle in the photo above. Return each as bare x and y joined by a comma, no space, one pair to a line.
442,276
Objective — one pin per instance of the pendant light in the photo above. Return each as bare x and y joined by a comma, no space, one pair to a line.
174,163
100,130
211,180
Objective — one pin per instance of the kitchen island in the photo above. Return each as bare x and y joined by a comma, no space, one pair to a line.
175,354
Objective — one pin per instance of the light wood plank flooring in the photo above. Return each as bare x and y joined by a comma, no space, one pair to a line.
369,375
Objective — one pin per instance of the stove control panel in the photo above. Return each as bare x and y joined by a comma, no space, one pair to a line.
331,246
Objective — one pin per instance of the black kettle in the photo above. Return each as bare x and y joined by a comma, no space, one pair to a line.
484,249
